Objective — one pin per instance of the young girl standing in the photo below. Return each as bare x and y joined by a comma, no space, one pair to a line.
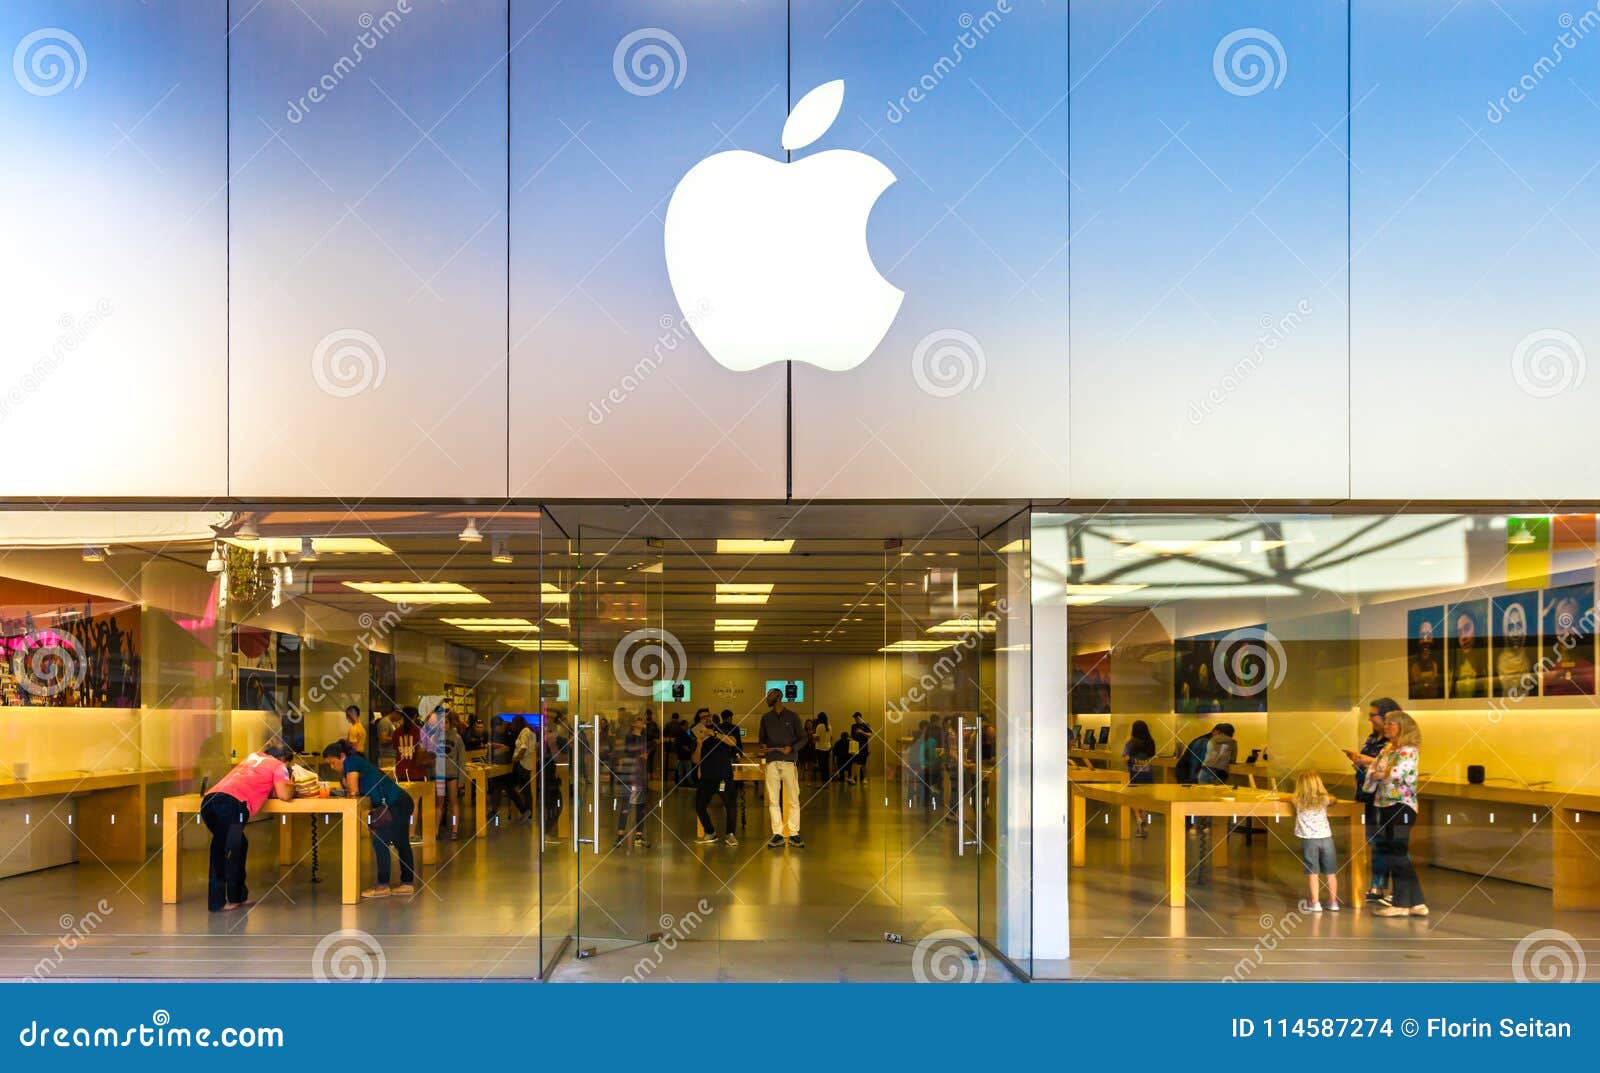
1311,801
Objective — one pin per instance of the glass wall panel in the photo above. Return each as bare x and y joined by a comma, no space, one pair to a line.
1223,669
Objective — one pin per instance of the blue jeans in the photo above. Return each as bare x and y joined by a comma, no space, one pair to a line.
1380,866
1394,848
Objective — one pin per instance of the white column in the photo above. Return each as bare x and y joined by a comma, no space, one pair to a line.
1049,715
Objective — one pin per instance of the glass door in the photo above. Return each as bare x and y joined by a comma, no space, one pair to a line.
627,667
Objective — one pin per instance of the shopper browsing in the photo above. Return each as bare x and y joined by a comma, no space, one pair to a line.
782,736
389,821
1393,774
714,756
235,798
1317,851
1366,792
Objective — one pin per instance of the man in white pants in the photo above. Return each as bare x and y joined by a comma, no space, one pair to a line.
782,735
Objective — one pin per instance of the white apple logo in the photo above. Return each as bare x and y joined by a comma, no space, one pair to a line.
777,253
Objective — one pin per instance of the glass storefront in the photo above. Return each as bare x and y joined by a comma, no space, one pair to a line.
1251,648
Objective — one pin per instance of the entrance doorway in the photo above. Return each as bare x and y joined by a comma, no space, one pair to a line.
900,809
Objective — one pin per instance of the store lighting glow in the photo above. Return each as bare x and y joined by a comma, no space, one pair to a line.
418,592
918,646
754,547
1013,547
730,646
753,593
1187,547
1078,595
964,625
321,545
492,625
736,625
540,646
549,594
562,622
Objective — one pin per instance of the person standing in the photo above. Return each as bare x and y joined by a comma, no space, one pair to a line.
714,778
632,766
356,734
235,798
524,758
822,747
1366,792
1393,774
1139,752
861,734
782,737
389,821
550,778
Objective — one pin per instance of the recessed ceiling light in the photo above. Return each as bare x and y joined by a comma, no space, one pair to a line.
540,645
736,625
918,646
322,545
549,594
554,621
418,592
754,547
958,625
492,625
729,646
1078,595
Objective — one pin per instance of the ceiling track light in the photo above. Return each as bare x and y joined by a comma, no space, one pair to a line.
308,550
247,528
93,554
215,565
470,534
499,553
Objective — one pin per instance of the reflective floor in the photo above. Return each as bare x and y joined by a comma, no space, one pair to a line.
678,911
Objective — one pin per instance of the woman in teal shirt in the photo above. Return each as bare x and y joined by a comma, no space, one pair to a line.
389,821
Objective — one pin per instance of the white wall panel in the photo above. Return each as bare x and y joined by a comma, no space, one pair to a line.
967,394
611,393
1476,227
1209,333
113,363
368,249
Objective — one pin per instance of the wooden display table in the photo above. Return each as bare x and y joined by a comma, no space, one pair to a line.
350,810
1257,776
425,811
103,796
1176,804
480,774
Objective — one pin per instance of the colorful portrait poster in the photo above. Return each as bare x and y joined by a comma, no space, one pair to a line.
1567,634
1467,649
1515,652
1425,653
1090,693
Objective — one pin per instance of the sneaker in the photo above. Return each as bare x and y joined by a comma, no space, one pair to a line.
641,842
375,892
1333,907
797,842
618,842
1419,910
706,840
404,888
1314,907
1378,897
1392,911
775,841
731,842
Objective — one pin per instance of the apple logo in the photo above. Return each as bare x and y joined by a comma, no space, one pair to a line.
777,253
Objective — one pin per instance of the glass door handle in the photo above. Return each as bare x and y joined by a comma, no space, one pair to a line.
594,786
962,841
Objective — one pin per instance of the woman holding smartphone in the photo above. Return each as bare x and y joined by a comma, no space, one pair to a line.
1392,774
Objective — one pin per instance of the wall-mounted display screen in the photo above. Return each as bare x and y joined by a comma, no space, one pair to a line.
666,691
553,689
793,689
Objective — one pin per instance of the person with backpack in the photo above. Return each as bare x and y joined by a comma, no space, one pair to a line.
1192,759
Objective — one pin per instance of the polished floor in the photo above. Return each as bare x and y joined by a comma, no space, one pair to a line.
874,871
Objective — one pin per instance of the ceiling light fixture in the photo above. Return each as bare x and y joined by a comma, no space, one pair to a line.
247,530
754,547
499,553
92,554
492,625
308,550
215,565
736,625
469,533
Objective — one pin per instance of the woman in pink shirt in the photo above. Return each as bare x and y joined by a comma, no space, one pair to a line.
236,797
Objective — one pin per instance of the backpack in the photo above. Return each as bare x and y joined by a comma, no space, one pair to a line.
1193,759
